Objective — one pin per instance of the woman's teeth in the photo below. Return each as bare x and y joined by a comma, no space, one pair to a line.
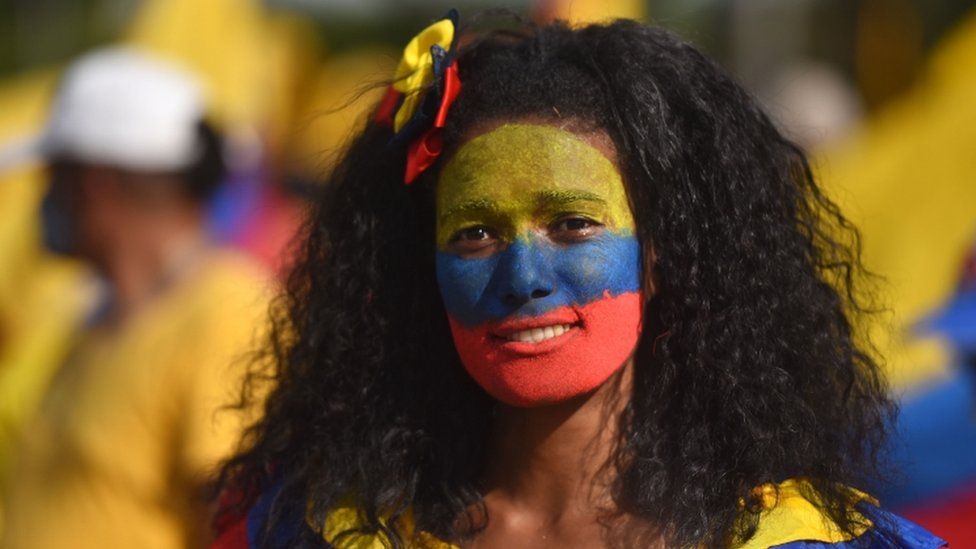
536,335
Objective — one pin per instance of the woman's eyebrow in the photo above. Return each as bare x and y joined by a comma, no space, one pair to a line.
558,197
547,198
478,205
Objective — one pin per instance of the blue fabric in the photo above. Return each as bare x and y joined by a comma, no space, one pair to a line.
288,531
234,203
934,441
955,321
889,532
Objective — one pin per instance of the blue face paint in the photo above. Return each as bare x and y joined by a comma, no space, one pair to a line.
480,290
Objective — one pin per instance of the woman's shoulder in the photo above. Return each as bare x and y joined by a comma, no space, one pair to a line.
791,520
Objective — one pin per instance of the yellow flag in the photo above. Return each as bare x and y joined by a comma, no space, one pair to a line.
580,12
909,181
221,40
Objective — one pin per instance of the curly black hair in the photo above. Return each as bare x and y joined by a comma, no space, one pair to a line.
749,369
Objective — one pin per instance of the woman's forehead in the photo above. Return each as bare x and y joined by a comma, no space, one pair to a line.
518,160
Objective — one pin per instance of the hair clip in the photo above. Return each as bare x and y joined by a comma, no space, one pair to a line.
425,85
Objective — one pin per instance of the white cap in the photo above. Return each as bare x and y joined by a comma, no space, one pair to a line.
125,108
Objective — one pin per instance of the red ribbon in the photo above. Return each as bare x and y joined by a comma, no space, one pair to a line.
384,113
423,152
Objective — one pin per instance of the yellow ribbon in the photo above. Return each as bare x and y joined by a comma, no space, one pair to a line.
415,72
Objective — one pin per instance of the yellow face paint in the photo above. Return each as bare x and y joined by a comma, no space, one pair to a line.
518,177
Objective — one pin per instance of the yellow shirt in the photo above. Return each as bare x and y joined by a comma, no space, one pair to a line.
130,424
788,516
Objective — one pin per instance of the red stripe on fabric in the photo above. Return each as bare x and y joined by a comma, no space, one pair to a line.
233,538
951,515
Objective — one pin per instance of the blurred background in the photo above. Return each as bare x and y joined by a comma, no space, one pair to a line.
881,92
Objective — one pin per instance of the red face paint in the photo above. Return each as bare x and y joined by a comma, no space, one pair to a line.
601,339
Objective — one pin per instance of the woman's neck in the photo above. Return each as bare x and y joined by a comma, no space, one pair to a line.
552,463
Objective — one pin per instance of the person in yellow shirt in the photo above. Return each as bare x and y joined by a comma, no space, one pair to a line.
136,419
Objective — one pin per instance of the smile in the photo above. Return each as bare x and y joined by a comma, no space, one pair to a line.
538,335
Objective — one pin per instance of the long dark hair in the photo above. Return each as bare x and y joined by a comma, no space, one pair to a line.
748,372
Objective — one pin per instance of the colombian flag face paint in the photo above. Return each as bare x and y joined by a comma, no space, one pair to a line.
537,263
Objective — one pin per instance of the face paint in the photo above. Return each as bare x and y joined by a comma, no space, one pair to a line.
537,263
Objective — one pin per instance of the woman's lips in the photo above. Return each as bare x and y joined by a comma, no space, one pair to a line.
537,334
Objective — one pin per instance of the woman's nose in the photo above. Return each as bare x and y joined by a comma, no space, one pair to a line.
523,274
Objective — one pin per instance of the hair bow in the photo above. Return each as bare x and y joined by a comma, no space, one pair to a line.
424,86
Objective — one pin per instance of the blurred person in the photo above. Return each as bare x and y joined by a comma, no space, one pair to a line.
120,448
42,296
570,287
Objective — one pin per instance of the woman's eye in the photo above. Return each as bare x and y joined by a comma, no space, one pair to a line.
473,234
575,224
473,240
574,228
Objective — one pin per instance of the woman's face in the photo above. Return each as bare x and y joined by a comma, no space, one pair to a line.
537,262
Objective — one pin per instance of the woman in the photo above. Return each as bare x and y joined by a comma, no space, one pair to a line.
611,308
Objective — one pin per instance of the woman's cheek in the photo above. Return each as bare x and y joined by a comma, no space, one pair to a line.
462,283
610,263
